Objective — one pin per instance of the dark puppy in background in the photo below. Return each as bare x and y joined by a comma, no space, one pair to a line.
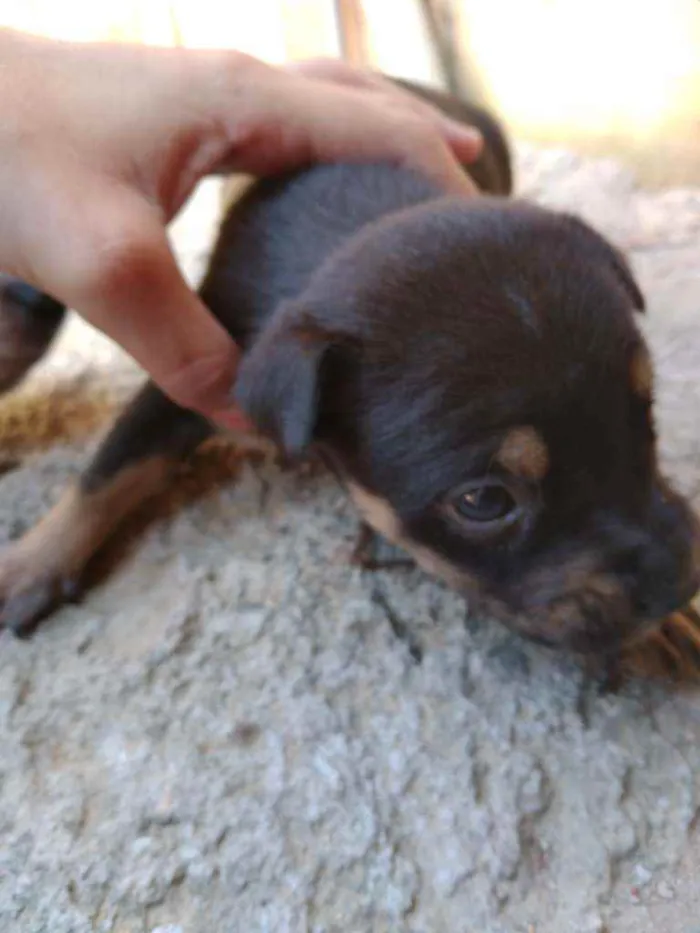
472,370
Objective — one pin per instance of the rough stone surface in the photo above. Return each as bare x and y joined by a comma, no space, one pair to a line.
229,734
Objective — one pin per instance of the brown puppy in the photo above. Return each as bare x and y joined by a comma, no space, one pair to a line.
472,370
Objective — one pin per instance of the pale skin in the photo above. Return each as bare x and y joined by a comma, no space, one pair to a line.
103,144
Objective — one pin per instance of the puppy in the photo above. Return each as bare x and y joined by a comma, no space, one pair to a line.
472,370
29,321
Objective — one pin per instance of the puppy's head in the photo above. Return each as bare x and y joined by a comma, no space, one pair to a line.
475,372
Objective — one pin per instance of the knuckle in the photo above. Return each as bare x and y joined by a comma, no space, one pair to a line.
203,384
122,262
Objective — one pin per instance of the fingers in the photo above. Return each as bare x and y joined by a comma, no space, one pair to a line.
294,120
380,125
425,151
86,200
465,141
276,119
117,270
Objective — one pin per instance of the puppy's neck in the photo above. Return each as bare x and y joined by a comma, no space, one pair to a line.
341,199
279,234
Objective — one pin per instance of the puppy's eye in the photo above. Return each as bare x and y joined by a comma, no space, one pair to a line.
485,502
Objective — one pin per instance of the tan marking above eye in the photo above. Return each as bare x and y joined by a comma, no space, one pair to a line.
642,374
524,453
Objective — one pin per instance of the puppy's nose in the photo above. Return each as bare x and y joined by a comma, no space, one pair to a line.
662,586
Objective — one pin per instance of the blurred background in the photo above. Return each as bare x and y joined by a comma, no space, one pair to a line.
601,77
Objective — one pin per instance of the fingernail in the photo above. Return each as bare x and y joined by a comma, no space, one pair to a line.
466,134
462,127
233,419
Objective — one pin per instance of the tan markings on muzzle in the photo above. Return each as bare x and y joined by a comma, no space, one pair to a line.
524,453
552,581
642,374
380,516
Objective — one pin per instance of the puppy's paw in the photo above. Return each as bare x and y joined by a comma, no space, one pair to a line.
364,553
42,570
33,584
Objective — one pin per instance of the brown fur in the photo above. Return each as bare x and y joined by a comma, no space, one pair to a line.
524,453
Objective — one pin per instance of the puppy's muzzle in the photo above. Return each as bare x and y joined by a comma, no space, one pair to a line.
661,568
616,589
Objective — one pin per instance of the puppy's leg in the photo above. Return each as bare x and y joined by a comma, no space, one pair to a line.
364,552
29,321
44,568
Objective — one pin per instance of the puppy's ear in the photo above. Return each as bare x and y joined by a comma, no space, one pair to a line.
614,258
284,378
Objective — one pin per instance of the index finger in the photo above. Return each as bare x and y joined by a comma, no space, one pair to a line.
118,272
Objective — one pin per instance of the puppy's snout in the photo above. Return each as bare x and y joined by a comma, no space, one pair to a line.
594,617
661,570
629,576
658,584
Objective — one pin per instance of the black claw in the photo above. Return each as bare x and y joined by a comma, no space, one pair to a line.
23,632
363,551
22,614
70,589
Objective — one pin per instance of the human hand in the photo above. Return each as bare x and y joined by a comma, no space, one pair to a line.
102,144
